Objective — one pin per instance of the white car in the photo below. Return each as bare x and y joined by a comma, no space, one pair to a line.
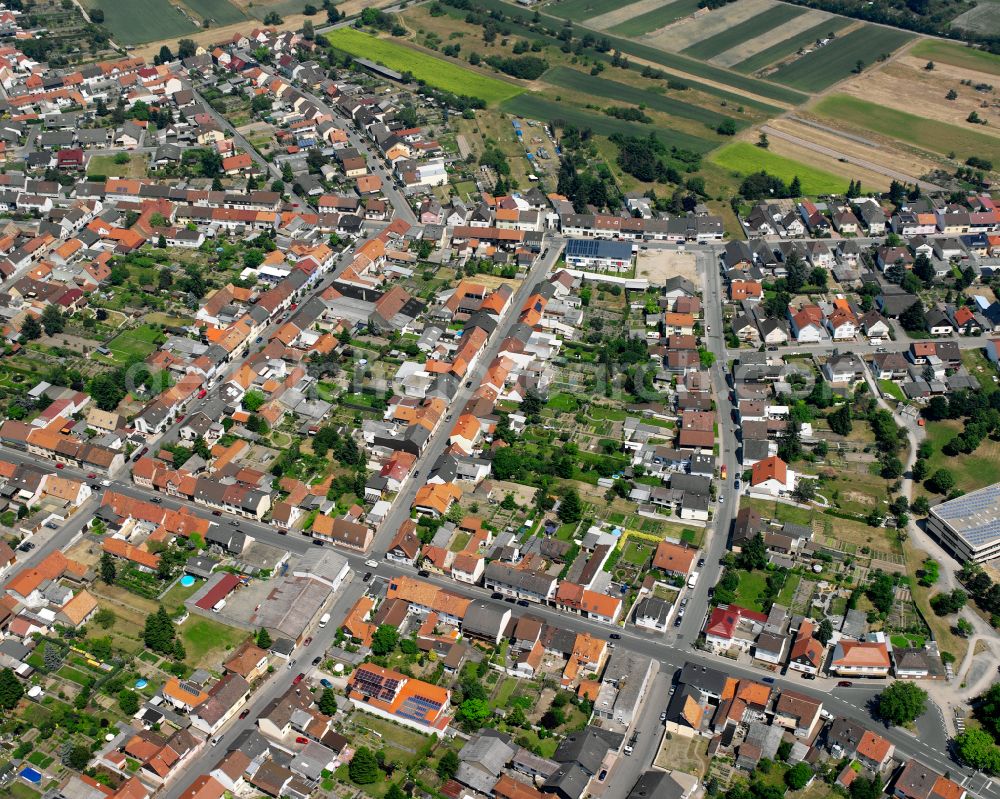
371,564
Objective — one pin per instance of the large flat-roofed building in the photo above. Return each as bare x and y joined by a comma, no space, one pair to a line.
969,526
599,255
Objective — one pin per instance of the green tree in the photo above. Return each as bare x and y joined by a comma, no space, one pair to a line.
264,639
253,400
159,632
474,713
384,640
570,509
447,765
30,328
52,320
976,748
824,632
78,757
840,420
902,703
795,187
128,701
327,702
798,776
11,690
941,482
364,767
105,618
863,788
108,569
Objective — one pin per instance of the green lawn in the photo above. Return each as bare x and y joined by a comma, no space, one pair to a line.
546,747
900,641
779,511
975,470
203,636
752,585
137,343
73,674
791,45
564,403
930,134
787,592
892,389
957,55
596,86
565,532
138,21
744,31
505,691
438,72
657,18
743,158
637,553
20,790
826,65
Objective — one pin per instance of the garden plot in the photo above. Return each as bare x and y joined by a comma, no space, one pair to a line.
619,15
702,26
771,38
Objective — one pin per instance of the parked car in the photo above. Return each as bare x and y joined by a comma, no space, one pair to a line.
216,512
245,713
844,684
769,680
317,660
299,678
523,603
60,465
326,683
496,595
423,573
367,577
91,476
615,637
308,641
301,739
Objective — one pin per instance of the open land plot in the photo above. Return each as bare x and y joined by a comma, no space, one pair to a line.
906,86
826,65
744,159
578,10
707,24
890,154
830,163
748,30
780,42
658,265
929,134
220,12
260,8
616,16
437,72
666,14
975,470
671,61
128,21
568,78
957,55
105,165
983,19
536,106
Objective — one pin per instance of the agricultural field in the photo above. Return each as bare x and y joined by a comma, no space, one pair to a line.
826,65
220,12
579,10
657,18
566,78
783,42
537,106
743,158
957,55
708,24
436,72
747,30
938,137
128,21
984,19
675,62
